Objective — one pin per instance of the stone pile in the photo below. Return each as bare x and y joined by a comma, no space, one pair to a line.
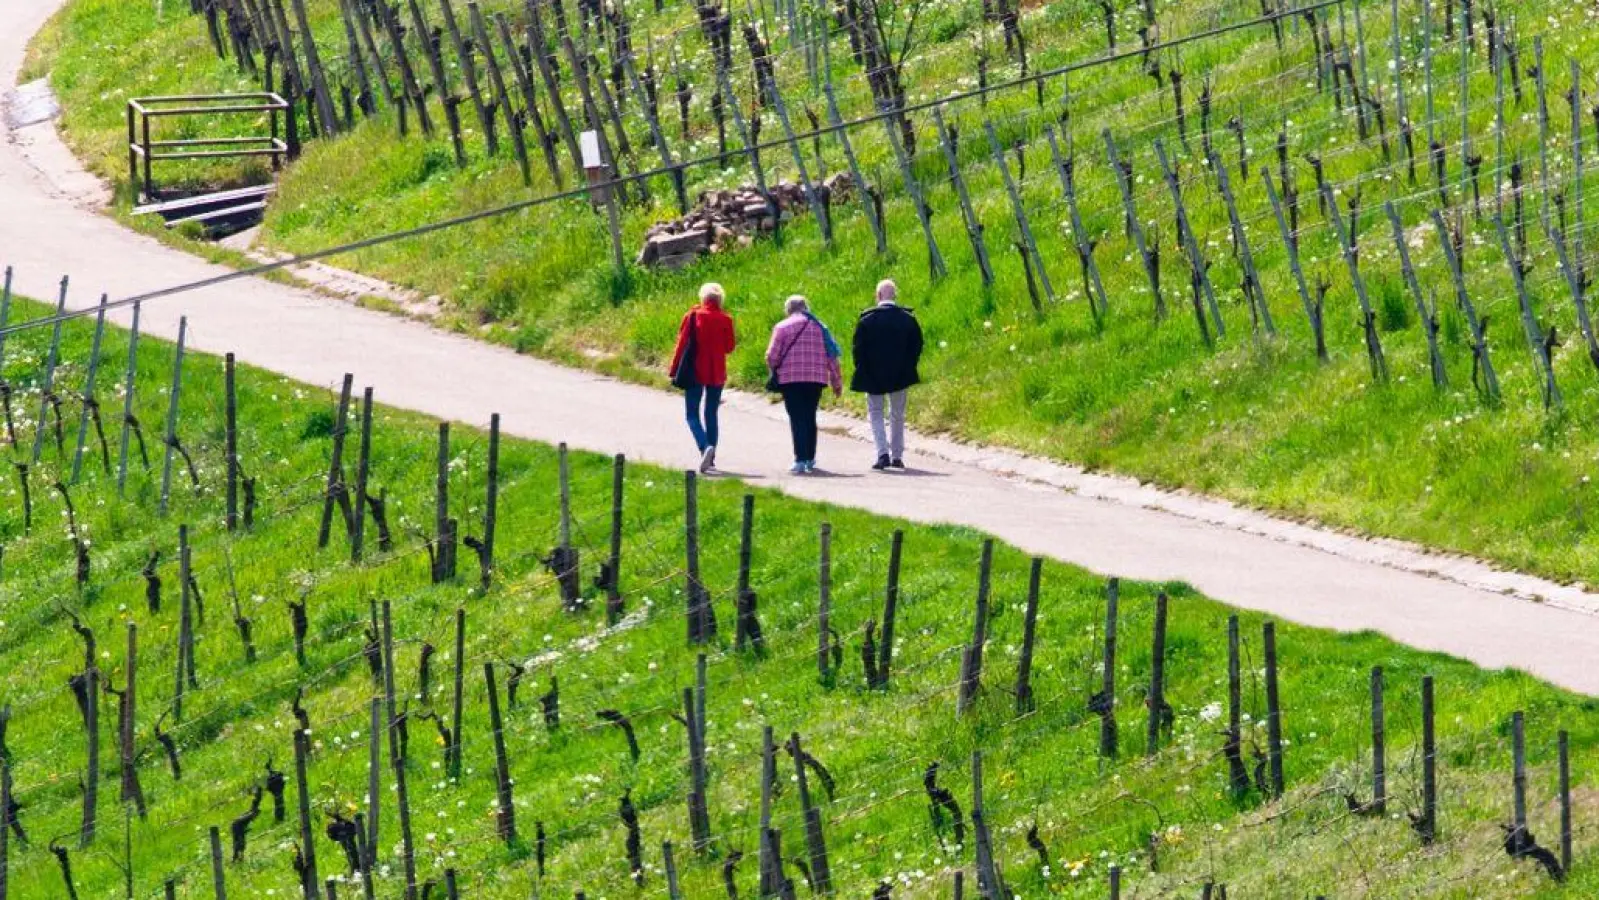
725,219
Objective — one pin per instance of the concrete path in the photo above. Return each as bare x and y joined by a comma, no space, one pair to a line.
49,227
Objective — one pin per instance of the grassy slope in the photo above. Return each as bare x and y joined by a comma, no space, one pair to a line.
1268,427
1041,769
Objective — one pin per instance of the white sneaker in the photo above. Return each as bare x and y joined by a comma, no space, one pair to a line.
708,460
798,468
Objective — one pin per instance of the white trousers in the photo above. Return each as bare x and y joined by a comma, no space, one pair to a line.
890,435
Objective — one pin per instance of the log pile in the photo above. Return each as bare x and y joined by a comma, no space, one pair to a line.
726,219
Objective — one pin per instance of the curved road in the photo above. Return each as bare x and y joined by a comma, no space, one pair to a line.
49,226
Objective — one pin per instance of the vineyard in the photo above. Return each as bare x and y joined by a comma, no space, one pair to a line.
1113,220
509,671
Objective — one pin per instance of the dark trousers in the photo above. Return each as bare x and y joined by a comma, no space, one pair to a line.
801,400
706,431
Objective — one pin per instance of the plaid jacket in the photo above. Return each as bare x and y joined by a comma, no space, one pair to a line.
798,354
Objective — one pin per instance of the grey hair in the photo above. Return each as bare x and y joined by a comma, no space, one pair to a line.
796,304
711,289
887,289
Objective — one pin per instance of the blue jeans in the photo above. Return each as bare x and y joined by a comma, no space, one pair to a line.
705,430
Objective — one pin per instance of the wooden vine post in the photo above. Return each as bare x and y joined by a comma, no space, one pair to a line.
308,874
172,416
443,526
333,490
824,607
1065,169
91,405
1426,824
1541,344
1199,269
231,440
127,760
974,228
1147,251
1427,315
693,718
747,626
1379,762
219,879
1159,710
1028,245
363,468
866,193
397,760
972,659
813,197
1237,773
885,650
935,259
611,572
128,421
701,615
453,753
1482,365
1104,703
491,505
504,807
1274,718
815,842
91,786
47,388
990,884
1254,291
1564,752
1025,703
1368,318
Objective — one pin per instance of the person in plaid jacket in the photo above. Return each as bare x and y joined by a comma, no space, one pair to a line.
803,358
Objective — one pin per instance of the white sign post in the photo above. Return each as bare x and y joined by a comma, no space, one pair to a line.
598,170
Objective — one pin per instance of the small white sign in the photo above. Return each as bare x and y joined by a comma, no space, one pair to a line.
589,141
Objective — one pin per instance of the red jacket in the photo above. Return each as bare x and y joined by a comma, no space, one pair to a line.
713,336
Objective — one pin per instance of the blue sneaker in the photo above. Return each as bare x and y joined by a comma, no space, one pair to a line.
810,466
798,469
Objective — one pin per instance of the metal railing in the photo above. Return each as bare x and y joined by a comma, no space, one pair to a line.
143,151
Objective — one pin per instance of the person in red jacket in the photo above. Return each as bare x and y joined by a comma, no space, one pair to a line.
699,367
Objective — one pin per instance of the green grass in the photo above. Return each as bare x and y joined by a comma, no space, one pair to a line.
1040,769
1262,424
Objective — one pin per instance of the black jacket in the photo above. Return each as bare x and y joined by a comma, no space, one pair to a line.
886,349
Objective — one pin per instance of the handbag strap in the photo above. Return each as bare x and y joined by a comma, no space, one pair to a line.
783,357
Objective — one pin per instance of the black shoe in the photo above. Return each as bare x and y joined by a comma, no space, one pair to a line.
898,463
882,463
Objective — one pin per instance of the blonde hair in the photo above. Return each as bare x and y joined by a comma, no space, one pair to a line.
711,289
796,304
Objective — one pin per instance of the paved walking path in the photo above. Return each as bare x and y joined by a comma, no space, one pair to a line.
49,227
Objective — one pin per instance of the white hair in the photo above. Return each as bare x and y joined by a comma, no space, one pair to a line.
887,289
796,304
711,289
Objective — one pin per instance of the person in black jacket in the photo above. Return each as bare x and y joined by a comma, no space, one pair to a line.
886,350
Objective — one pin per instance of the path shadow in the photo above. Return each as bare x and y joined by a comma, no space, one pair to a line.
914,473
824,473
736,476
